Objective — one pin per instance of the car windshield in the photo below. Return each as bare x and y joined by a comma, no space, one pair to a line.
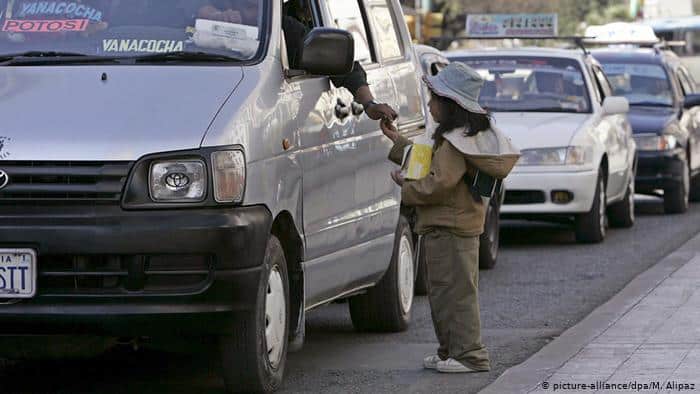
531,84
642,84
109,28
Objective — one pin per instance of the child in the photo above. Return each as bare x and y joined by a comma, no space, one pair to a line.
451,213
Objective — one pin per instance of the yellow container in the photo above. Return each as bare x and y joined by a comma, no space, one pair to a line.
419,160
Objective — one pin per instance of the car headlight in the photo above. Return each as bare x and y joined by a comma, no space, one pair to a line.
571,155
178,181
650,142
229,173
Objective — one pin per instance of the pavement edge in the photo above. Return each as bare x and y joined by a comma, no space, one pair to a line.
528,375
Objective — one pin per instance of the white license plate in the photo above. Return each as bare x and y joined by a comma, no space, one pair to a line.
17,273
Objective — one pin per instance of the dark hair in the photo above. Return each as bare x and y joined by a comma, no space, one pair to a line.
453,116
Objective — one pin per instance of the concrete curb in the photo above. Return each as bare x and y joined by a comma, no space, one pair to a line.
529,375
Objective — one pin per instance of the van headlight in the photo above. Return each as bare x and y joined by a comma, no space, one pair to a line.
229,173
178,181
571,155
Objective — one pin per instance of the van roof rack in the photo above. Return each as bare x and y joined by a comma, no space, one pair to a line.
578,40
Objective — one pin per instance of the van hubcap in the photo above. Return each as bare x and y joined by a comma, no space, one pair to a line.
406,278
275,317
601,213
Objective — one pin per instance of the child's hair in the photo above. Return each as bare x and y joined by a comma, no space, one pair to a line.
453,116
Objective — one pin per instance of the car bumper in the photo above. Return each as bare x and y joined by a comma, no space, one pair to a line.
106,270
531,193
659,170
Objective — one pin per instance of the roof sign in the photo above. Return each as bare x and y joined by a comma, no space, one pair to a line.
512,25
621,33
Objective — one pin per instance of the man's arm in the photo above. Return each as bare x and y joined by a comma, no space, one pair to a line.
356,83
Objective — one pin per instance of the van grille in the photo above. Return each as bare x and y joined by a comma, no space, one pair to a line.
65,181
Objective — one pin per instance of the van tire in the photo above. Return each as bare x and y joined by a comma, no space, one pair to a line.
489,240
382,309
245,362
590,227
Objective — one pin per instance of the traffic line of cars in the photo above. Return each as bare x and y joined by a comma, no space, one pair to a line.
594,128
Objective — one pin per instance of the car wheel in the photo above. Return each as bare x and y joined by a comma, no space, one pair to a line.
695,189
489,240
676,198
254,354
387,306
621,214
422,283
591,227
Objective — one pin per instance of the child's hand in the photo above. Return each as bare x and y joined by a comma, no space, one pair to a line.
397,177
389,129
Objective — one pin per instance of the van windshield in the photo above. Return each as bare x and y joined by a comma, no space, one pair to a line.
111,28
641,84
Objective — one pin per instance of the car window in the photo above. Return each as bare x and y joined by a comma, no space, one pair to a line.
602,82
686,85
534,84
126,27
385,31
347,15
641,84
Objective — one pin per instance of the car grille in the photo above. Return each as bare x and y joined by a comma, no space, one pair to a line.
521,197
63,182
114,275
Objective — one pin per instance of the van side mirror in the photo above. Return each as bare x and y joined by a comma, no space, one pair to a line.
691,100
327,51
616,105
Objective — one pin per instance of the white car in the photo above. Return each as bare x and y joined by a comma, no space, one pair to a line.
578,156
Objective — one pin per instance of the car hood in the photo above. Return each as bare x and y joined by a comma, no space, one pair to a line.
530,130
650,119
108,113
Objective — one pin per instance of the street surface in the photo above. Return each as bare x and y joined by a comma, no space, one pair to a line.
543,284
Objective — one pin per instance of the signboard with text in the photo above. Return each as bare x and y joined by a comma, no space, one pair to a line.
512,25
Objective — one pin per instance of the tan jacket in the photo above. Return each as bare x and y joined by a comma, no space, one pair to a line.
442,199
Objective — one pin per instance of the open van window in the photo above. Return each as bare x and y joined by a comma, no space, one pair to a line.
231,28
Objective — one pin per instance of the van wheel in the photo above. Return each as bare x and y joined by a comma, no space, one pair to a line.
254,354
621,214
591,227
489,240
676,198
387,306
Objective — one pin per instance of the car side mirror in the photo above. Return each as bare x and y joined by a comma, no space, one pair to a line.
691,100
327,51
616,105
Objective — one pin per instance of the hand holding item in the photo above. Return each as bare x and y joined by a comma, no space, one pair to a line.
389,129
397,177
381,111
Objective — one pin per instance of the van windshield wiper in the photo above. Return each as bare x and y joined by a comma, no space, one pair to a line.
184,56
50,57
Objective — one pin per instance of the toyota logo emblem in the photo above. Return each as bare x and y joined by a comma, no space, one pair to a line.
177,180
4,179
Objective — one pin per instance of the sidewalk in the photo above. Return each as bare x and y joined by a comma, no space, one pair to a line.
648,334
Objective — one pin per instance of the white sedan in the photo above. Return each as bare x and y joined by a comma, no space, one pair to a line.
578,156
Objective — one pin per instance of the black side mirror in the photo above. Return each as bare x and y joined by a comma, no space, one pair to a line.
691,100
327,51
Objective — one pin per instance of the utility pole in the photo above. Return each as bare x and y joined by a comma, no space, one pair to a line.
418,8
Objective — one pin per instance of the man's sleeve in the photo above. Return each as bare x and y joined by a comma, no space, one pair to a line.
447,170
352,81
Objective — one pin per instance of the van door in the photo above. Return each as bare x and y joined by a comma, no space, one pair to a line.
350,204
396,55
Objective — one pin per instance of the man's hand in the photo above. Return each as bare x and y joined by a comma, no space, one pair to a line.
397,177
381,111
389,130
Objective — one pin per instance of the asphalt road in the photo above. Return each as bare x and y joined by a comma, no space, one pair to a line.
543,284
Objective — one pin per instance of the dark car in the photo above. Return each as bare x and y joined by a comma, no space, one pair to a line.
665,119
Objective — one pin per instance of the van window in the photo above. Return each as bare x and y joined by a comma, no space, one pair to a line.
347,15
385,32
233,28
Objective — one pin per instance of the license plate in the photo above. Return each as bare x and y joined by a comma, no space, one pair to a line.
17,273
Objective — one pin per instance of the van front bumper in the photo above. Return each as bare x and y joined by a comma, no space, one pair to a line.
106,270
531,193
